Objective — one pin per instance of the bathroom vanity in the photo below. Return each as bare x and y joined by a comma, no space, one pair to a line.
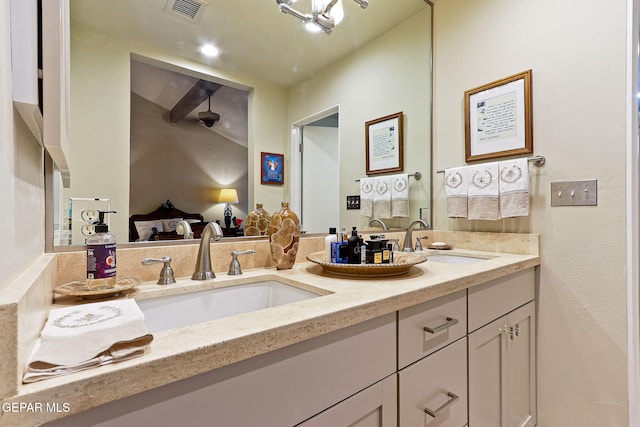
445,344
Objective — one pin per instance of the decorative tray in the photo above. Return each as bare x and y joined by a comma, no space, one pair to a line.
80,289
402,262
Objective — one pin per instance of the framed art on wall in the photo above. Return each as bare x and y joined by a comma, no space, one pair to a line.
272,168
498,119
384,144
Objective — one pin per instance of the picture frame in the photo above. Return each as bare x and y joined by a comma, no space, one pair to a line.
384,144
498,119
272,168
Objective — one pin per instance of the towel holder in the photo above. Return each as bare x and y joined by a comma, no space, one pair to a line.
537,161
416,175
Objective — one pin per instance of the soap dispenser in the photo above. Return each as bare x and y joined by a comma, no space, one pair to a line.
353,247
101,256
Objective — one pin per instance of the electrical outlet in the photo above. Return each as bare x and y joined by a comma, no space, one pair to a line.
353,202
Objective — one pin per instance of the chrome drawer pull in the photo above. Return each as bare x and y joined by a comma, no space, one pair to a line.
435,412
446,325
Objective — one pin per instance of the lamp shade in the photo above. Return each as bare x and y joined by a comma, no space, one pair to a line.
228,195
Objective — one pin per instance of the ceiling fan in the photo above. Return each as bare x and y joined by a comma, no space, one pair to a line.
193,98
208,118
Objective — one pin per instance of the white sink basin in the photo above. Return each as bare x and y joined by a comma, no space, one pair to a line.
455,259
175,311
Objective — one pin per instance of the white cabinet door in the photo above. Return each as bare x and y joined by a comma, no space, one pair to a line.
375,406
502,371
521,367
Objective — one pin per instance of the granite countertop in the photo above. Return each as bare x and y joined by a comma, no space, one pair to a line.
199,348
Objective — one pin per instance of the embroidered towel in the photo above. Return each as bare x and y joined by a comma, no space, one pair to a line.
85,336
382,197
400,195
483,192
456,182
366,196
514,188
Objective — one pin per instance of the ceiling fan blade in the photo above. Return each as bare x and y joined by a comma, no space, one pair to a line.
193,98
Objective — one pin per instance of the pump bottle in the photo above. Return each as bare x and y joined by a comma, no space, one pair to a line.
101,256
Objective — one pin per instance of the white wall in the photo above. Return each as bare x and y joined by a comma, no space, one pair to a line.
400,82
21,175
100,96
576,50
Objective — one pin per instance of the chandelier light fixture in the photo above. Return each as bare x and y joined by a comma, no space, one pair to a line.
325,14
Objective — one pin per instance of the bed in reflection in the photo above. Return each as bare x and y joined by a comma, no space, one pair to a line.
161,224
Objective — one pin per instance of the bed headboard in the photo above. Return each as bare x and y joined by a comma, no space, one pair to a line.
165,211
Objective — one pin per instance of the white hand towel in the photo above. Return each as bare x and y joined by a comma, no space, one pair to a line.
84,336
382,197
400,195
483,192
456,182
514,188
366,197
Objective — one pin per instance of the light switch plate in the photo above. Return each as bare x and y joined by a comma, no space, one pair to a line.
353,202
574,193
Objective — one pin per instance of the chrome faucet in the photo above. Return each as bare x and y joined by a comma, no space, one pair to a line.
379,221
408,240
203,262
184,228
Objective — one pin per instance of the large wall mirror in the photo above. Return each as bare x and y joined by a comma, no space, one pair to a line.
271,78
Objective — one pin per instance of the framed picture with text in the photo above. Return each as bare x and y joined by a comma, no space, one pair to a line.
384,144
498,119
272,168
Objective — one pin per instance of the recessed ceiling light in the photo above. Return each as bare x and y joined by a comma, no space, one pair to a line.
209,50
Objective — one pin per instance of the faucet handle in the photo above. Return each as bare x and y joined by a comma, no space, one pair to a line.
166,274
234,267
419,243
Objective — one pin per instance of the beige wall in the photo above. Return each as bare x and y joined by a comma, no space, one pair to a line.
100,96
576,50
388,75
21,175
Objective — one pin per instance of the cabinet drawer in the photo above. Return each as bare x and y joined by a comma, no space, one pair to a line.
445,321
436,384
494,299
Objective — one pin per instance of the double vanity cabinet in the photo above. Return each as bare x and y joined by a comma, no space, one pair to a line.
465,358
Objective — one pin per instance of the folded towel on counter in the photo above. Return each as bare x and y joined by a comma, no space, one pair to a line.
514,188
483,192
382,197
456,187
85,336
400,195
366,196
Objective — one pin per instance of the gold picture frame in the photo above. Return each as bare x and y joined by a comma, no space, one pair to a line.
498,119
384,144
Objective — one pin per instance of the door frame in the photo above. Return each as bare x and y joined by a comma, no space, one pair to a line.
633,214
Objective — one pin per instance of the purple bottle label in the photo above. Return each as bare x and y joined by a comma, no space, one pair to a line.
101,261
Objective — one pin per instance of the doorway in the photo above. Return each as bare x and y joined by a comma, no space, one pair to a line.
317,170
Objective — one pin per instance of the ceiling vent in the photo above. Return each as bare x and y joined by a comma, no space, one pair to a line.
188,9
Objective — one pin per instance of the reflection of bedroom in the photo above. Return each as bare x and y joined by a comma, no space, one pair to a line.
185,162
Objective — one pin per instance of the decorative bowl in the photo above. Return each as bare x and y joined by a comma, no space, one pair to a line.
402,262
80,289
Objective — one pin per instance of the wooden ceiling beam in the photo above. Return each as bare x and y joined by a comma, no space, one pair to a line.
194,97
